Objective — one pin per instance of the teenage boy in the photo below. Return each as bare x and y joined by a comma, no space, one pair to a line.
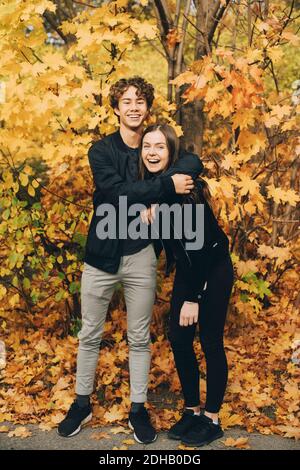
114,162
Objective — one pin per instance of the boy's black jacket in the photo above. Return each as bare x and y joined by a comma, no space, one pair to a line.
108,160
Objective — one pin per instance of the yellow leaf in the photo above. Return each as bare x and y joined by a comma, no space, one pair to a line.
185,77
281,195
45,426
244,267
4,428
31,191
184,447
290,431
254,54
275,53
3,291
44,5
240,443
281,111
43,347
99,435
114,414
272,121
128,442
118,336
144,29
23,179
291,37
54,60
247,184
20,431
120,429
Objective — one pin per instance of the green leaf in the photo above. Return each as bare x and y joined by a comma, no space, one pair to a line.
26,283
263,288
13,258
74,287
80,239
6,214
59,295
244,297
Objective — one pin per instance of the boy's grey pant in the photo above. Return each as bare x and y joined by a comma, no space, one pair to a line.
137,273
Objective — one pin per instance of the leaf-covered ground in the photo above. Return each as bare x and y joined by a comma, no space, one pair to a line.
262,393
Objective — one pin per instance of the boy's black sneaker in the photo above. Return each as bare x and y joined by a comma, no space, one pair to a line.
140,424
203,432
182,426
76,417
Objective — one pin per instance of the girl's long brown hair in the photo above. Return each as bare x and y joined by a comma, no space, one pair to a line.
173,148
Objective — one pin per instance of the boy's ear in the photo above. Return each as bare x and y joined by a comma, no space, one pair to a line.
116,111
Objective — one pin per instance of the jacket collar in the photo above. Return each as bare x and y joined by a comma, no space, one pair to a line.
119,141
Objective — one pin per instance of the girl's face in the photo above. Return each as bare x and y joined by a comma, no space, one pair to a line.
155,153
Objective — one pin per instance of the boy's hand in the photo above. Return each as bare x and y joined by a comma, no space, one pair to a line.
183,183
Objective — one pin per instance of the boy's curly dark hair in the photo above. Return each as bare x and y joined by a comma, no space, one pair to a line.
144,88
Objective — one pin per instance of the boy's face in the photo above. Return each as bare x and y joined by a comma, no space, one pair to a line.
132,109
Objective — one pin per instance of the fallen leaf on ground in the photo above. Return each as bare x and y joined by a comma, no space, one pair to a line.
4,428
120,429
128,442
46,426
183,447
20,431
240,443
99,435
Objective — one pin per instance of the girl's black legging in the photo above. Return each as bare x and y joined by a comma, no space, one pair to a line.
212,314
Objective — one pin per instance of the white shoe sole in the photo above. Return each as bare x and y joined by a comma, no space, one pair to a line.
136,438
85,421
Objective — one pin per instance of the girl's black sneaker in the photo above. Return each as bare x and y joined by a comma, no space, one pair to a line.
182,426
203,432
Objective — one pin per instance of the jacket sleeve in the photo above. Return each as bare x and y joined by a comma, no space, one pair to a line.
195,278
215,248
195,273
195,283
187,163
112,185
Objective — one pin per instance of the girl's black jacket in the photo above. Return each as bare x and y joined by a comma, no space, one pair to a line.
194,264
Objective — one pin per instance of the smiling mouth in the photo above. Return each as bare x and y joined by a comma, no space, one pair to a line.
153,160
134,116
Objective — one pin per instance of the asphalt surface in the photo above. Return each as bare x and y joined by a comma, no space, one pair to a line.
50,440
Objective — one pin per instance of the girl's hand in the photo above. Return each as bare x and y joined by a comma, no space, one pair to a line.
148,215
189,313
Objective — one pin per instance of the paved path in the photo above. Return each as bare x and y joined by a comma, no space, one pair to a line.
52,441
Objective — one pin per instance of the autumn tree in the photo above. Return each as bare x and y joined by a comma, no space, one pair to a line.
232,92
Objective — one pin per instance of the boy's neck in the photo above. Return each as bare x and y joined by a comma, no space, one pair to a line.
131,137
